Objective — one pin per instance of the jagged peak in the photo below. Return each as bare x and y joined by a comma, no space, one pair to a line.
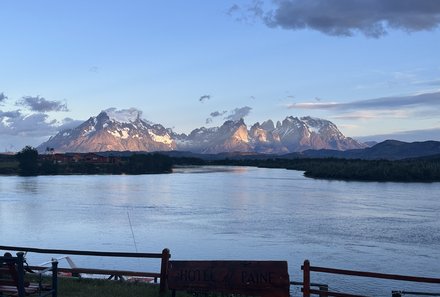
291,134
268,125
239,122
315,121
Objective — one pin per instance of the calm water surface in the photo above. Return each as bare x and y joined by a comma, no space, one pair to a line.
232,213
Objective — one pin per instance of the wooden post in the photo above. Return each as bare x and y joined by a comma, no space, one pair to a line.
164,270
20,272
54,278
306,279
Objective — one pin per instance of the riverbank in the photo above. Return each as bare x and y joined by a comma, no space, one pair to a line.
425,169
414,170
33,164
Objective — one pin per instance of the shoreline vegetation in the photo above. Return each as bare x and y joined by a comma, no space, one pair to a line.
29,163
417,170
84,287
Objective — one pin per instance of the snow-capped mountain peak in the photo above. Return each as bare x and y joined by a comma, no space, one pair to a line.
113,130
122,130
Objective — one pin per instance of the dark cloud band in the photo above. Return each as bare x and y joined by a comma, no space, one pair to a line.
426,99
204,97
215,114
40,104
373,18
238,113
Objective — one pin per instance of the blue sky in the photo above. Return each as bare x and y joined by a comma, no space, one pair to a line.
372,67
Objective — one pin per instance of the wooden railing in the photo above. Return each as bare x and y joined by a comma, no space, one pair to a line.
162,275
307,290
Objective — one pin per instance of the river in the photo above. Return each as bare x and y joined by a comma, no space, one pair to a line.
240,213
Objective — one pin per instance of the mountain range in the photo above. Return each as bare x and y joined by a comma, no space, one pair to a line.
114,131
386,150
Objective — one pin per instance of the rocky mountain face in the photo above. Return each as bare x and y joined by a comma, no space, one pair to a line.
299,134
105,133
108,133
230,137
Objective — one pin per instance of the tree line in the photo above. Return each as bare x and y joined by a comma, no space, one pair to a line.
29,164
411,170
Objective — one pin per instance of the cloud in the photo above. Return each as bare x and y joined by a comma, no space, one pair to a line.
435,82
204,97
409,136
3,97
238,113
34,125
215,114
233,9
422,106
69,123
124,115
18,129
4,115
431,100
94,69
373,18
40,104
373,114
15,123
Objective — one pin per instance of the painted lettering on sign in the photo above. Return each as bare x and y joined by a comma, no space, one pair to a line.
248,277
189,275
255,278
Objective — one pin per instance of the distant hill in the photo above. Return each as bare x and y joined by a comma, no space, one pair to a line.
388,150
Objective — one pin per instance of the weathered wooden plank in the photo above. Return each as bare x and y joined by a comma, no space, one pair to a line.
252,278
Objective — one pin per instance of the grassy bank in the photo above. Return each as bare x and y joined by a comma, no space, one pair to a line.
80,287
83,287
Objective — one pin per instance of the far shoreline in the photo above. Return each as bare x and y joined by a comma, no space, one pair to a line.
29,163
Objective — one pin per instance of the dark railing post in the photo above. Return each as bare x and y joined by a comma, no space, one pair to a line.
164,270
20,272
306,279
54,278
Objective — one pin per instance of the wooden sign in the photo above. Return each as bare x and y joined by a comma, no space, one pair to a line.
251,278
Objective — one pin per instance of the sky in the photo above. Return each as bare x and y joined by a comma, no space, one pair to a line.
370,66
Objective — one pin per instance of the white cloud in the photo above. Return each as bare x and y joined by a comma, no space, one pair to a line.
124,115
